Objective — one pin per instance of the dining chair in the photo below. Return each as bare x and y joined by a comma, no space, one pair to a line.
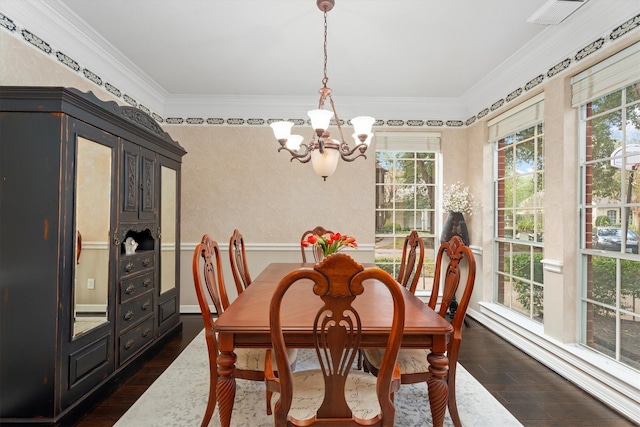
412,261
410,269
414,367
332,393
238,260
317,254
250,362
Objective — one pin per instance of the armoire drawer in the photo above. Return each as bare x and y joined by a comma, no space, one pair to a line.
136,286
132,312
132,341
130,264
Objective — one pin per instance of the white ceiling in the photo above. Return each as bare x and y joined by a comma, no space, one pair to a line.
445,58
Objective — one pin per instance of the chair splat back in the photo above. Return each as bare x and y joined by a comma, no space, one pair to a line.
337,330
238,260
412,261
318,231
455,250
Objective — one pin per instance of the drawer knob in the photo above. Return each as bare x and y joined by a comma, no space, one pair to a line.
147,282
146,262
129,344
130,289
129,315
146,333
146,305
129,267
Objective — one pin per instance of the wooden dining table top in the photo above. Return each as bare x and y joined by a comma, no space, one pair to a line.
249,313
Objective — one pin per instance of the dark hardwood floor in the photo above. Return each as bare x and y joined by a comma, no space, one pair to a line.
535,395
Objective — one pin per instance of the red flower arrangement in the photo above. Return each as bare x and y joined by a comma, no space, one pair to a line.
330,243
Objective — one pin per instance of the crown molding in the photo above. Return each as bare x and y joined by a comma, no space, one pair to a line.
552,46
53,22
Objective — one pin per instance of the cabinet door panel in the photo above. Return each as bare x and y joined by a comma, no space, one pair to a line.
138,183
147,185
130,181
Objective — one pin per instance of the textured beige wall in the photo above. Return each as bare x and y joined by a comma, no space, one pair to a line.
234,177
24,65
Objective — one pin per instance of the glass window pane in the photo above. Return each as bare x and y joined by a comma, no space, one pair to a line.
540,153
630,287
606,184
384,199
425,172
606,134
509,167
602,284
629,341
633,92
525,155
537,302
600,333
520,297
607,102
405,197
405,172
525,134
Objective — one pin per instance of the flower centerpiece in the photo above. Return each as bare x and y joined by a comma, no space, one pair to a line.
457,201
330,243
457,198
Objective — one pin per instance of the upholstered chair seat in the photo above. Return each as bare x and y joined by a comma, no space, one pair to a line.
308,394
410,361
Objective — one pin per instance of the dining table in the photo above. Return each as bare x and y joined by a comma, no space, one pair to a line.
245,323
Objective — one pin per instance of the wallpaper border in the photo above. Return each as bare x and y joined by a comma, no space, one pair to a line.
45,48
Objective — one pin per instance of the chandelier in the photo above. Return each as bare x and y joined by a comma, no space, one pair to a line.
323,151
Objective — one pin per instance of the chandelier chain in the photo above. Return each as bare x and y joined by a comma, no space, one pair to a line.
325,79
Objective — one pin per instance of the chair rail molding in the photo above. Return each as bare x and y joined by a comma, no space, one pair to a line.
552,265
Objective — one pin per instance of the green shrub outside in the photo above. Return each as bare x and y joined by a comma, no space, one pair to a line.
522,268
603,269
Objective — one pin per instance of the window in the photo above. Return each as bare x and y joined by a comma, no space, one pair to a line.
609,161
407,167
518,140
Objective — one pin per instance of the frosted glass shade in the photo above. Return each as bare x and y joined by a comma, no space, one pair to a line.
362,125
320,119
294,141
281,130
324,164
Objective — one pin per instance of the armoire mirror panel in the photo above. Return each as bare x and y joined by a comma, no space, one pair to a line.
92,219
168,219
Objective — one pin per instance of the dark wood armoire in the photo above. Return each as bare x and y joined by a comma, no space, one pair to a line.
89,249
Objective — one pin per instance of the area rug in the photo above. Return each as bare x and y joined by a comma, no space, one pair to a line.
178,398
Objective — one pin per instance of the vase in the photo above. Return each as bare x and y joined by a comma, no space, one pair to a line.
455,225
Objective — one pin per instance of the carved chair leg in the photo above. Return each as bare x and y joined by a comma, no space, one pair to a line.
269,394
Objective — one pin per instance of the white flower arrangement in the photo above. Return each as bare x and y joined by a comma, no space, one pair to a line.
457,198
